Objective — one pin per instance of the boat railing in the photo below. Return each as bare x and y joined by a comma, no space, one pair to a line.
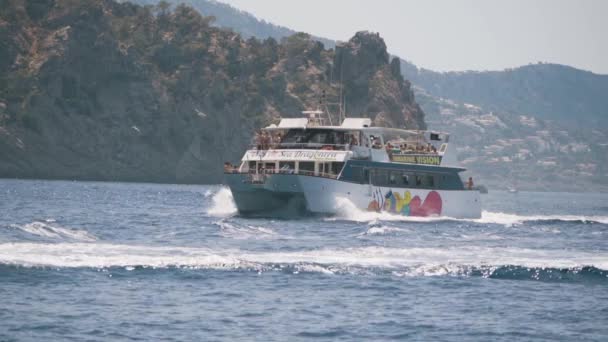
411,152
260,177
300,146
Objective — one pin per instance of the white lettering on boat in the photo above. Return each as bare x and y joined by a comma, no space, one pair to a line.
293,155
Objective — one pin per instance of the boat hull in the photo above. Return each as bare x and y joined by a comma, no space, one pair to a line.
290,194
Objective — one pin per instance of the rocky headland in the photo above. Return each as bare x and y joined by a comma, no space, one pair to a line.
101,90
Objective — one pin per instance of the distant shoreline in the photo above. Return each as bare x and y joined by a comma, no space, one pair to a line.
490,189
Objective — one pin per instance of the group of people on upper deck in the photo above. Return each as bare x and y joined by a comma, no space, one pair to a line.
265,140
403,148
412,148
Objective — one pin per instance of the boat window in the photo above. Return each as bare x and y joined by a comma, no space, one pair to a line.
269,167
428,181
324,168
287,167
400,179
336,168
357,175
306,167
380,177
405,179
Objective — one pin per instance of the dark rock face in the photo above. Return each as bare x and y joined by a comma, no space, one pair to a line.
108,91
374,86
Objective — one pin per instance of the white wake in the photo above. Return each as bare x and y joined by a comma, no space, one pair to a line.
222,203
102,255
514,219
50,229
244,231
346,210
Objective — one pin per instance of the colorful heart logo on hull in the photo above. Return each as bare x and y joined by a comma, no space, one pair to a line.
431,206
407,205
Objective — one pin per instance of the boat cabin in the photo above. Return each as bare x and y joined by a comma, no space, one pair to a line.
307,146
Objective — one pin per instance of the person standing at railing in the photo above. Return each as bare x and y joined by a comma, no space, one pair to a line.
470,183
278,139
265,140
389,151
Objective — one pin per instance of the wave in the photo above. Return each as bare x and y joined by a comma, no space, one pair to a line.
514,219
244,231
382,230
347,211
511,272
222,203
49,229
516,263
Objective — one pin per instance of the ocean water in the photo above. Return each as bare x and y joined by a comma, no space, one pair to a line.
117,261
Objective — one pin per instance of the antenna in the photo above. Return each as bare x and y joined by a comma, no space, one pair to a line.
321,104
344,107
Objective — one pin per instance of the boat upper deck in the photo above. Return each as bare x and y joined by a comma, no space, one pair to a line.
352,151
293,139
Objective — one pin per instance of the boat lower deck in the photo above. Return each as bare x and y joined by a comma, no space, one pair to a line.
290,194
268,203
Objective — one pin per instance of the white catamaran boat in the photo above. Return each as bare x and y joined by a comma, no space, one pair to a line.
306,166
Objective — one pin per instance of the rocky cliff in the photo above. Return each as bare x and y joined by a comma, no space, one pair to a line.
115,91
539,127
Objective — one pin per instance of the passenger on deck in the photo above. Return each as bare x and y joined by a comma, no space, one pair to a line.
389,151
433,150
470,183
228,167
376,143
277,140
353,140
265,140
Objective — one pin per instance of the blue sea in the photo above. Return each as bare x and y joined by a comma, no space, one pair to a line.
89,261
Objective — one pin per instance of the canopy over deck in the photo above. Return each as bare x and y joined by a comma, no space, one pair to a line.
350,124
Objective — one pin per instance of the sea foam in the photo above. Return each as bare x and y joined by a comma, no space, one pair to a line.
49,229
222,203
346,210
103,255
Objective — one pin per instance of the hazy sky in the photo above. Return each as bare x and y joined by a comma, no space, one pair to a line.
458,35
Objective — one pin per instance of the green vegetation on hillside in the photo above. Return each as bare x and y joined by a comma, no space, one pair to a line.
116,91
